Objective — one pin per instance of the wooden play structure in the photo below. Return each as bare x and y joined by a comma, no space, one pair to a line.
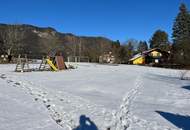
53,62
22,64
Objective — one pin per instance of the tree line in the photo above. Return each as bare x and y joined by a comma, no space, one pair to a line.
35,41
179,47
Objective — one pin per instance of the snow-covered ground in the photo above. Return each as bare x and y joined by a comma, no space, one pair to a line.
120,97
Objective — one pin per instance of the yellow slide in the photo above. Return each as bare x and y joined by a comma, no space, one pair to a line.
51,65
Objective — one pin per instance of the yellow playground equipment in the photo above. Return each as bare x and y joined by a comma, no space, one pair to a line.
51,65
54,62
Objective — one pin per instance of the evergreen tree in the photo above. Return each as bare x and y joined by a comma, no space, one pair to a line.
116,50
130,50
123,54
133,44
142,46
181,37
117,43
181,27
160,40
2,46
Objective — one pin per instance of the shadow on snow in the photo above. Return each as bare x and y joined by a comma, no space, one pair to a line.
85,124
178,120
186,87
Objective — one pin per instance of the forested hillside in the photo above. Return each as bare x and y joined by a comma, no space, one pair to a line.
36,41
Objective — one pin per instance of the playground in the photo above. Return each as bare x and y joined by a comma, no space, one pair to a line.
52,62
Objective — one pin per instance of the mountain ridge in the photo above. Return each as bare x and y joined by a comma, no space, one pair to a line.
36,40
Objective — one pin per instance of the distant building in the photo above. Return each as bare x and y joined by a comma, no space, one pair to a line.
4,58
107,58
153,56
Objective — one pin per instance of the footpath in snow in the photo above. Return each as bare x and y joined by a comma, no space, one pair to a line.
117,97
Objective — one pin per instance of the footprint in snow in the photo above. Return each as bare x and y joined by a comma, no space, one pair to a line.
48,106
44,101
17,84
2,76
44,93
58,121
31,93
9,81
39,95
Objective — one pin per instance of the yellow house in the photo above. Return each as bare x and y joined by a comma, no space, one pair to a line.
150,56
138,60
155,54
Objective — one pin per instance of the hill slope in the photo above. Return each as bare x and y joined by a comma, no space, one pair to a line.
37,41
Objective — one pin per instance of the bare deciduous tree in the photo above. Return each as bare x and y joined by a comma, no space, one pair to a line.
12,38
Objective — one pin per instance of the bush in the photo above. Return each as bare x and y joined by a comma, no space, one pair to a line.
183,74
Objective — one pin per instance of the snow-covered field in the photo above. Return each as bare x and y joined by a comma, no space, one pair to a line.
122,97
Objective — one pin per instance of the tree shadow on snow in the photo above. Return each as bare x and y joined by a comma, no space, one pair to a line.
178,120
186,87
85,124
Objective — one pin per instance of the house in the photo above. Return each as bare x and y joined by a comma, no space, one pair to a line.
152,56
137,59
107,58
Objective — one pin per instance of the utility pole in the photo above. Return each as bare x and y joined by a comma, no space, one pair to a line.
75,47
80,45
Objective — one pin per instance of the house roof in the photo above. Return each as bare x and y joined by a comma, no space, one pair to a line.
151,50
136,56
147,52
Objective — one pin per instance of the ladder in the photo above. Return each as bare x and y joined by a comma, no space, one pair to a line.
22,64
43,65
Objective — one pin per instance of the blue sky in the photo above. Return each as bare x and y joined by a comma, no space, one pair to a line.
114,19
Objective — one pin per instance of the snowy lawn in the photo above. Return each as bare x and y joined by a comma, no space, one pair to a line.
120,97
